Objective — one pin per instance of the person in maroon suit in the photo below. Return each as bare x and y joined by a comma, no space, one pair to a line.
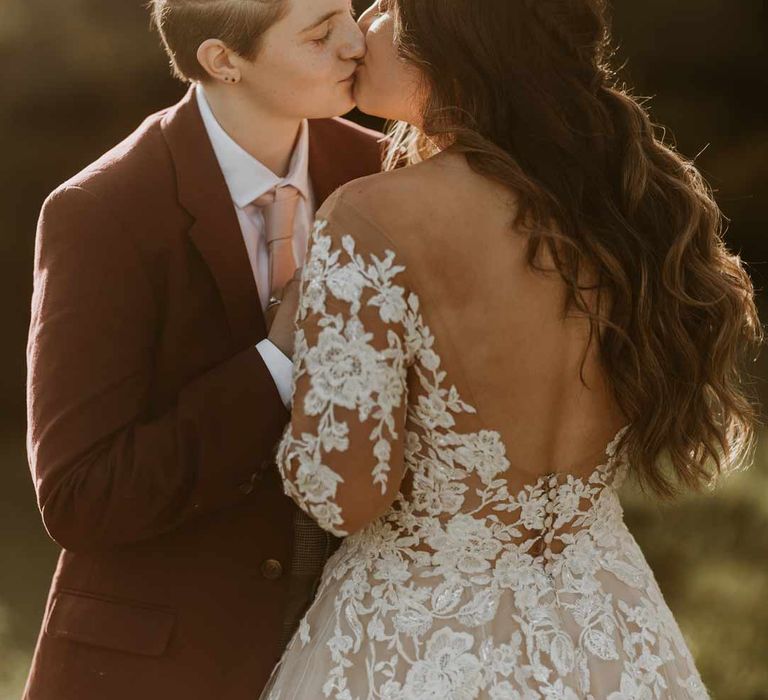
158,361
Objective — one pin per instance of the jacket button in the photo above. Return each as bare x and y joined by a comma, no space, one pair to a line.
271,569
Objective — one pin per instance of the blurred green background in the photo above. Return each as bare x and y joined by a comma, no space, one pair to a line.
77,76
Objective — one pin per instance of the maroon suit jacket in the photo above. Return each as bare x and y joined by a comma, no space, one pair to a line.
153,422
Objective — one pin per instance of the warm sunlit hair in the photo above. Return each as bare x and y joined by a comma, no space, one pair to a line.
185,24
524,88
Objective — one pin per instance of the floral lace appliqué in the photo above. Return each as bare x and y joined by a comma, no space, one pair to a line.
463,588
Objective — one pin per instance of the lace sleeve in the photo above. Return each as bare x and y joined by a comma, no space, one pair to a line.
341,457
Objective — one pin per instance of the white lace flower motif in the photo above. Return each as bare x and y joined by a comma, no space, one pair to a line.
440,496
516,570
483,452
328,516
433,412
414,622
313,283
392,690
412,444
448,669
391,303
316,481
391,569
389,385
419,592
532,503
567,505
466,544
630,689
504,691
342,372
506,657
559,691
346,283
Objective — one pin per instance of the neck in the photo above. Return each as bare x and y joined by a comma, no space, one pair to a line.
269,138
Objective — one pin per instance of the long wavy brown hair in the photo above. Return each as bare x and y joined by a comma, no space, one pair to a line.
525,89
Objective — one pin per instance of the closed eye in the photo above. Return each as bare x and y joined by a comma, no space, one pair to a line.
323,39
326,37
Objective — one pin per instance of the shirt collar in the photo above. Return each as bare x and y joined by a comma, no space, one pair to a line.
246,177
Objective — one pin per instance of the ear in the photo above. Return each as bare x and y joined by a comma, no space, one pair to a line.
217,61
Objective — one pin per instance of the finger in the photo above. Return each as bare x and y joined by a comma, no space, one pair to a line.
293,287
270,315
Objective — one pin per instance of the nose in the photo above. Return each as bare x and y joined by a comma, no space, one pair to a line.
354,47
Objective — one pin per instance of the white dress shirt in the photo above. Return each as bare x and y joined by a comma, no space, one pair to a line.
248,179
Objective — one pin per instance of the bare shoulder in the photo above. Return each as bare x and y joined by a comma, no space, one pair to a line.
415,209
405,195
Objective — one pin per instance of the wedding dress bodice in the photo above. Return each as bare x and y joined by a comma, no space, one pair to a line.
460,576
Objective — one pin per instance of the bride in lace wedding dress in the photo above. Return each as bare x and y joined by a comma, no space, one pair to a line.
465,436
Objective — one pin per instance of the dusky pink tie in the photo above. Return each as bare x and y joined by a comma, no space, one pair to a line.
279,209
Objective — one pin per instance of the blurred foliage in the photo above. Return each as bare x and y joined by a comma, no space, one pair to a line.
78,76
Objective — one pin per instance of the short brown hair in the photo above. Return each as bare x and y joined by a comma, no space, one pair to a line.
185,24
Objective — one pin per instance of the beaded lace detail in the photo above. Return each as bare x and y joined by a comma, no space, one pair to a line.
462,588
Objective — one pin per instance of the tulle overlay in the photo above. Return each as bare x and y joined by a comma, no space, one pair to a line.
463,589
589,623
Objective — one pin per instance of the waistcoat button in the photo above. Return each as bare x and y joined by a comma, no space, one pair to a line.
271,569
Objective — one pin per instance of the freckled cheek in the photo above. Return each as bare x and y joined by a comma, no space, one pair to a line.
317,74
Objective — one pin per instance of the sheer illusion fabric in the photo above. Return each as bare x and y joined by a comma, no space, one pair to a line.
477,578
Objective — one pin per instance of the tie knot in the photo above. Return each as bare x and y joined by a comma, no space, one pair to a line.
278,206
283,194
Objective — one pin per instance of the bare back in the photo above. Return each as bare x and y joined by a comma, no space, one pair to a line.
498,324
441,426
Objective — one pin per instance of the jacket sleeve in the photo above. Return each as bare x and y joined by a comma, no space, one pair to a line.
342,456
104,475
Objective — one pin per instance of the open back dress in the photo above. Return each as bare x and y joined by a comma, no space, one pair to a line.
430,365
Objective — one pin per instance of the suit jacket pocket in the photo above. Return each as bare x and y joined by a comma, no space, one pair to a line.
113,624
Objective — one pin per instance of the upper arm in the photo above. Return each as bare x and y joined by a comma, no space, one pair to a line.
107,470
342,457
91,331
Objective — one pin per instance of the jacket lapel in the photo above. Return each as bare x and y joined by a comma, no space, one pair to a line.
335,157
216,230
324,170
